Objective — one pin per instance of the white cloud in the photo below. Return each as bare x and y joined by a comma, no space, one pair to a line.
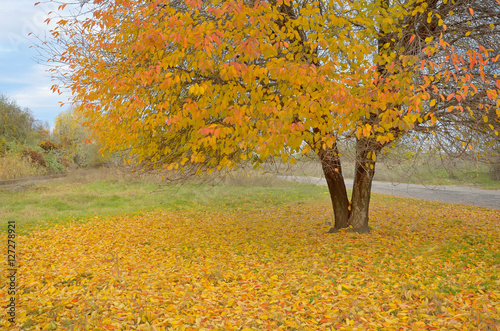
5,49
44,104
32,90
19,19
32,74
37,96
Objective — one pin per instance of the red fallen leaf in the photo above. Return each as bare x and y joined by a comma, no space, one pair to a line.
110,327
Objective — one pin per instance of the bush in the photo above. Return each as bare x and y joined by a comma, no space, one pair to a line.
47,145
3,146
35,157
70,134
88,156
53,162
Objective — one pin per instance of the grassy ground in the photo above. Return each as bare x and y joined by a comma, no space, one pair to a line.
101,250
255,259
106,192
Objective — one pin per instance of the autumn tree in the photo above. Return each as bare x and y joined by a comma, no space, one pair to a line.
74,139
186,82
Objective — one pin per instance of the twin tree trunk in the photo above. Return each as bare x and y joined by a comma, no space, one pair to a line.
355,213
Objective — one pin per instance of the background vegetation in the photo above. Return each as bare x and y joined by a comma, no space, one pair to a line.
29,148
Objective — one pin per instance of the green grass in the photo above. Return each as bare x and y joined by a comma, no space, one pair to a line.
86,194
68,200
261,267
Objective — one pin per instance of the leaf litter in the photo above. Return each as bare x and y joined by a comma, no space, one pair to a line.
424,266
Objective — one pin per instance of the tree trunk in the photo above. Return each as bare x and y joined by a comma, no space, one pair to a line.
330,162
366,148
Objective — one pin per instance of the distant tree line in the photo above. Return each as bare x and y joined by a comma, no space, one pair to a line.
18,125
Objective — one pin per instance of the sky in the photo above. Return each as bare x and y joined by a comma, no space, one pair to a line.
22,79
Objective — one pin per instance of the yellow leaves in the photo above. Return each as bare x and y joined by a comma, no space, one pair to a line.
265,268
492,94
196,89
388,20
419,9
367,130
306,149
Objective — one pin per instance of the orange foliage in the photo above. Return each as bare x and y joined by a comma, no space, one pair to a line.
214,82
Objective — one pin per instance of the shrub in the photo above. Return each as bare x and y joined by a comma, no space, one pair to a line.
53,162
3,146
66,162
35,157
47,145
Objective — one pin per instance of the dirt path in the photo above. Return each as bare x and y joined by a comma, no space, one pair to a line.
441,193
30,179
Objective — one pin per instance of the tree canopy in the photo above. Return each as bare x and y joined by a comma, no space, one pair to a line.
211,83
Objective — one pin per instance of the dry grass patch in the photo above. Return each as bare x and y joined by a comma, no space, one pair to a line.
13,166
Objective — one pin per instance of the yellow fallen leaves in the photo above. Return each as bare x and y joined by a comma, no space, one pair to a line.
425,266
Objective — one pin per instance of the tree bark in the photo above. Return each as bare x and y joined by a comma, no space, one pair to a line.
332,169
363,177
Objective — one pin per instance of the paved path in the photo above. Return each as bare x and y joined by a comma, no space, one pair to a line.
441,193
